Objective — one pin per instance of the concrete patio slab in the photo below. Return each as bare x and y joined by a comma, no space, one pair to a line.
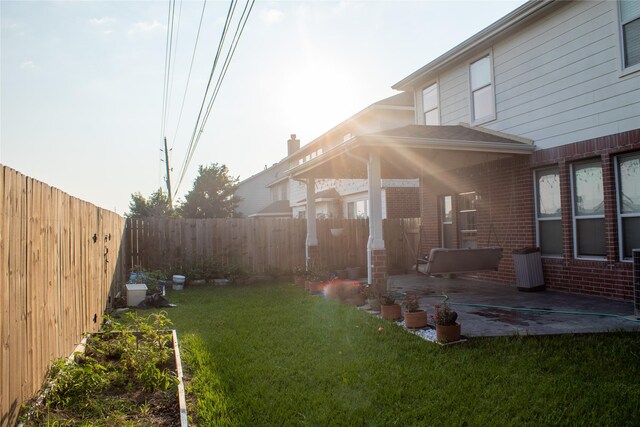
490,309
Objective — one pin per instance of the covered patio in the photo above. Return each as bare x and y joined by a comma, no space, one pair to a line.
432,154
489,309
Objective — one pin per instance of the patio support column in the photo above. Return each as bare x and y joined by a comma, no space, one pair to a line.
312,235
376,252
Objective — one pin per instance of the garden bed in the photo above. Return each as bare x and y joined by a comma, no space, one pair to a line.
118,376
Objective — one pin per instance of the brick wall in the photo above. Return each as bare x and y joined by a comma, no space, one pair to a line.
403,202
505,213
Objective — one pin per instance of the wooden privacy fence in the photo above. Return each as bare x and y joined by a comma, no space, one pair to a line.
60,258
263,245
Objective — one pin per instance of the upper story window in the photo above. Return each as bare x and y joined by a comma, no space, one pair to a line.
588,209
430,105
548,212
628,189
483,105
630,32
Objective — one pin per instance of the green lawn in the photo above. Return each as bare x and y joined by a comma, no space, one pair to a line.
274,355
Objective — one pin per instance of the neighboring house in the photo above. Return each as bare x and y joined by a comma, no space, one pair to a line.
264,193
526,134
260,201
348,198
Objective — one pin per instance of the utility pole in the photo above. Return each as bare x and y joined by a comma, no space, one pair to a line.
166,162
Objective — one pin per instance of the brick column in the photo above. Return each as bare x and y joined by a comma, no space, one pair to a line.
379,264
313,256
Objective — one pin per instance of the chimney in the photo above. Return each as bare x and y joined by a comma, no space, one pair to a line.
293,145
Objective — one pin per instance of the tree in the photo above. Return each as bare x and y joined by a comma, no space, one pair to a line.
212,195
156,206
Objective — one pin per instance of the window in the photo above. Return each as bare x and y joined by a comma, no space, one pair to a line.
482,97
447,222
430,105
467,219
588,210
357,209
628,186
548,212
630,32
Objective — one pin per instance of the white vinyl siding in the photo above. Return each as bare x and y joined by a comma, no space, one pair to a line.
629,15
556,81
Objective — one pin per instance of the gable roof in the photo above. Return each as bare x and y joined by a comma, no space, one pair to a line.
519,16
277,208
449,133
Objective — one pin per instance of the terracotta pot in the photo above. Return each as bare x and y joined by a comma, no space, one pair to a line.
448,333
391,312
357,300
415,319
314,287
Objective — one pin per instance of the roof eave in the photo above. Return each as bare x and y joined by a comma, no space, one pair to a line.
447,144
493,30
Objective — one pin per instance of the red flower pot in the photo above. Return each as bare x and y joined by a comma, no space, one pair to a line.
391,312
415,319
448,333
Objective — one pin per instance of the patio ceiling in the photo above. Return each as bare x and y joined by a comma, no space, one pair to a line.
410,151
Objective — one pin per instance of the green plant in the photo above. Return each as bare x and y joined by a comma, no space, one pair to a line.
411,302
388,298
444,314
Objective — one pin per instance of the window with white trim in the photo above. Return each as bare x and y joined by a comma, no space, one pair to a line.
467,230
629,14
628,189
588,210
430,105
483,102
548,212
357,209
447,221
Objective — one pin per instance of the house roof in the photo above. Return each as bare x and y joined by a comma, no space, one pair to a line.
405,151
519,16
450,133
402,99
325,195
277,208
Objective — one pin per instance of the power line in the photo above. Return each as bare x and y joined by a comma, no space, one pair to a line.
199,127
193,55
230,12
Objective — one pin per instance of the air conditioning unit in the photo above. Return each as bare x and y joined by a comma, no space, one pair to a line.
636,282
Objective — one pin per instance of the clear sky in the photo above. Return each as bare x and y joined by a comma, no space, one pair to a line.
81,82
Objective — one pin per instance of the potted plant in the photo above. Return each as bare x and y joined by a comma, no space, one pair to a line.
356,296
447,329
300,275
388,308
373,296
315,278
414,316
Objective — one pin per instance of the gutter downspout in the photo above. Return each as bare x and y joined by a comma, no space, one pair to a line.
312,233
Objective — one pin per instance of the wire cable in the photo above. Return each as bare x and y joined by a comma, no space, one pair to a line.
198,130
190,148
193,55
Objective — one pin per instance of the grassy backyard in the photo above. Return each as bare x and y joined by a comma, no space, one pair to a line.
274,355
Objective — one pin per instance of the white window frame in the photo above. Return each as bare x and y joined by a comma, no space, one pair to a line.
538,219
437,107
623,69
619,209
474,121
443,222
575,218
